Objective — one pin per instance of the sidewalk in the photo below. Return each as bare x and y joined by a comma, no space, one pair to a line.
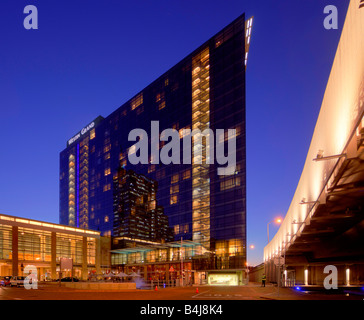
272,292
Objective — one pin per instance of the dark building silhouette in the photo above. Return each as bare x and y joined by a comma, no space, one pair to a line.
136,213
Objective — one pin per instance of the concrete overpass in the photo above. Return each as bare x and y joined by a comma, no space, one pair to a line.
324,224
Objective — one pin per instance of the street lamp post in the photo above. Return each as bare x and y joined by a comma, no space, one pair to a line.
277,220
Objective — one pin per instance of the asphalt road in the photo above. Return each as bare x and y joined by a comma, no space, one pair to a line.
204,293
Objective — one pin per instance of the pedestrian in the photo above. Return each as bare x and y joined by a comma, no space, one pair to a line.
264,278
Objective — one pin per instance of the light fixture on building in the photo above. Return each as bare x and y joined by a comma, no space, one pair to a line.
320,156
303,201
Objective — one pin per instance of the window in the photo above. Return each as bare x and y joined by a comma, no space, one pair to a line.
176,229
91,251
159,97
107,171
229,135
186,174
185,228
69,246
184,132
160,100
107,148
132,149
162,105
160,174
6,242
174,199
174,189
137,101
107,233
92,134
107,187
140,110
175,178
230,183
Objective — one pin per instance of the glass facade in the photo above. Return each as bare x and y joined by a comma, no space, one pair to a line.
34,245
206,90
6,250
70,246
26,242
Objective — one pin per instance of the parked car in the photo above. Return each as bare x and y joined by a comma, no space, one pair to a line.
69,279
5,281
17,281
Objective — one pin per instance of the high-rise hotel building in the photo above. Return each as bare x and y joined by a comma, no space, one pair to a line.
206,90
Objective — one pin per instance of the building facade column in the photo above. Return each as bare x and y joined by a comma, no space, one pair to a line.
145,272
84,272
54,255
98,256
15,250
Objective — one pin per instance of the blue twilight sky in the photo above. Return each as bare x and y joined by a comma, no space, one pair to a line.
88,57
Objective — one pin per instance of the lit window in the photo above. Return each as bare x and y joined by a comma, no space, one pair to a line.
196,70
132,149
159,97
107,148
107,187
186,174
184,132
196,82
230,183
174,199
162,105
175,178
174,189
137,101
176,229
107,171
186,228
92,134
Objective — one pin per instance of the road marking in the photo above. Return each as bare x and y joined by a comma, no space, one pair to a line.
200,294
220,296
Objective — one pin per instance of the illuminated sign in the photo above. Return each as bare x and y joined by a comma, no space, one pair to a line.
84,131
223,279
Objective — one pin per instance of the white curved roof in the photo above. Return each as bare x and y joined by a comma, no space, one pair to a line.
340,113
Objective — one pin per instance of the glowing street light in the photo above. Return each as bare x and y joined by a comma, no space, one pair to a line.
277,221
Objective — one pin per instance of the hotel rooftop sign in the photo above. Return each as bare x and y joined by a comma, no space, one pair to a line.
84,131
